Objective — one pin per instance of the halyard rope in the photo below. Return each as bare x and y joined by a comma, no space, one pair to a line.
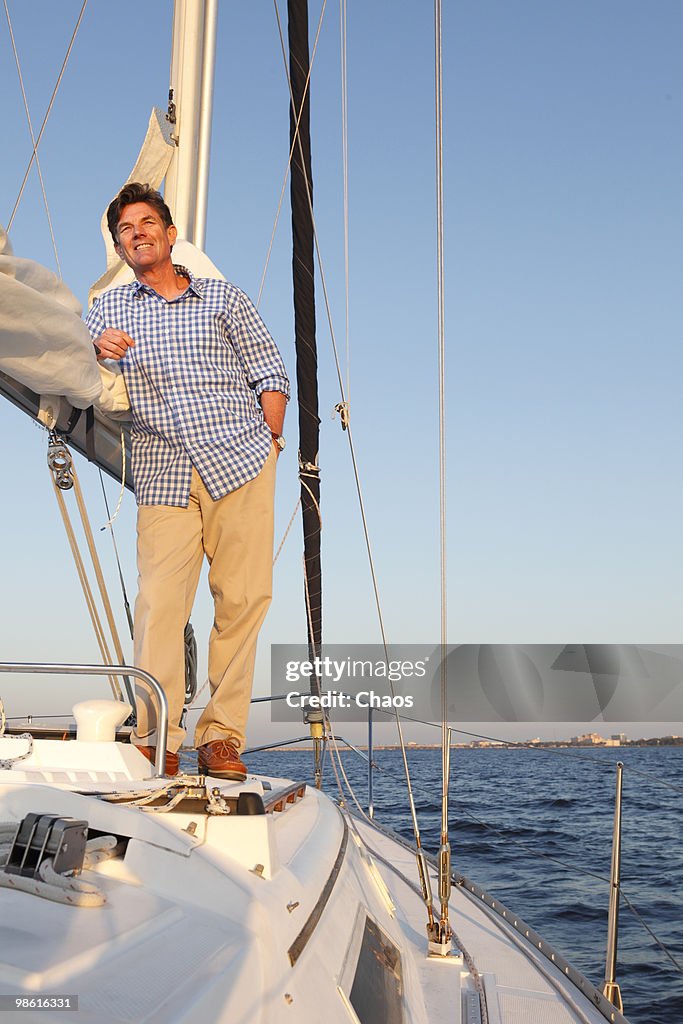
110,522
87,590
82,573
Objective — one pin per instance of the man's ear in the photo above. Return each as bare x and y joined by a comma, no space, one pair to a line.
172,231
118,250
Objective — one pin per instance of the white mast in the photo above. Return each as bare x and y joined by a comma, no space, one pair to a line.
192,68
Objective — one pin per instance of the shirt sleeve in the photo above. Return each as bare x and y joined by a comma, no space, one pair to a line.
256,349
94,320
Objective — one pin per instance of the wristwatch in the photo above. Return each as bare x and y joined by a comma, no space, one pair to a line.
279,440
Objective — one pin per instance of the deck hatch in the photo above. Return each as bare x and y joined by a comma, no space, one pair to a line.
377,989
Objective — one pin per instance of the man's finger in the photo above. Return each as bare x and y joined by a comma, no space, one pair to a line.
117,335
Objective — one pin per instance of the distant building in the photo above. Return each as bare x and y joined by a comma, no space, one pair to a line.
589,739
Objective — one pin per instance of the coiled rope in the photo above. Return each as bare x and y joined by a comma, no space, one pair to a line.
51,885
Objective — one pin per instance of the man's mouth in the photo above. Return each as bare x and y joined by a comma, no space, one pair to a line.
143,245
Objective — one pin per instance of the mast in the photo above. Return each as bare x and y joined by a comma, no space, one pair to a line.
189,110
301,192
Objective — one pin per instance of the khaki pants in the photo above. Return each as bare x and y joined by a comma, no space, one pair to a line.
236,534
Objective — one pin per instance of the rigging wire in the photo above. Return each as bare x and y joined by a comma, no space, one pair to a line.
33,138
290,524
647,928
335,753
34,154
427,792
655,778
110,524
467,957
337,766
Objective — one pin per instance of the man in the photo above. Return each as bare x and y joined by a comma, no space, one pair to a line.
208,391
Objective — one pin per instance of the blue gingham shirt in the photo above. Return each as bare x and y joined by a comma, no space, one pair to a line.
194,375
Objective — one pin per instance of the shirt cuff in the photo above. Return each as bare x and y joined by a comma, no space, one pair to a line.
280,384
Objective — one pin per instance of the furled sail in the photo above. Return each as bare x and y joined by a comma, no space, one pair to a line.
304,315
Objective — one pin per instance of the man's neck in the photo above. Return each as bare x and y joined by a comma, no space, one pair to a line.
164,280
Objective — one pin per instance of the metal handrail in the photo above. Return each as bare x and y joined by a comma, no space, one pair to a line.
145,678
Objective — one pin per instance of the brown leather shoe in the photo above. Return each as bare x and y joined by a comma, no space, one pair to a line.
220,759
172,760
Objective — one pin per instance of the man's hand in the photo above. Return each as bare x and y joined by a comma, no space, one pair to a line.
112,344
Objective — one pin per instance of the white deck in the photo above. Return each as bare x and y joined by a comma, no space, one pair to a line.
203,912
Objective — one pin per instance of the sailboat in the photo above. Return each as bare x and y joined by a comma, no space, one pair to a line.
129,896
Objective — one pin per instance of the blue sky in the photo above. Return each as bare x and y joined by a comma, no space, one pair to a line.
563,267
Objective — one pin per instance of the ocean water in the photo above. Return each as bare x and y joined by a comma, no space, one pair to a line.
512,810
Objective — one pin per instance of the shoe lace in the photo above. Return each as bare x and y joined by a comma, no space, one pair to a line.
223,748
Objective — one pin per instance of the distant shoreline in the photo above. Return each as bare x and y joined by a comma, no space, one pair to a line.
661,741
43,730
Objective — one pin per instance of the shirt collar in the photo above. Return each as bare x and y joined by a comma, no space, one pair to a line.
195,285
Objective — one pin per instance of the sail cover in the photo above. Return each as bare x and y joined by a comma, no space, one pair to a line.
304,318
44,344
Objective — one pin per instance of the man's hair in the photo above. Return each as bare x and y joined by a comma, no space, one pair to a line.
135,192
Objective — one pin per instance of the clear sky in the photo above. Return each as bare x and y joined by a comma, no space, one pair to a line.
563,156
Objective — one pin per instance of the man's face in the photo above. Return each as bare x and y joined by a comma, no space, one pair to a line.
144,241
